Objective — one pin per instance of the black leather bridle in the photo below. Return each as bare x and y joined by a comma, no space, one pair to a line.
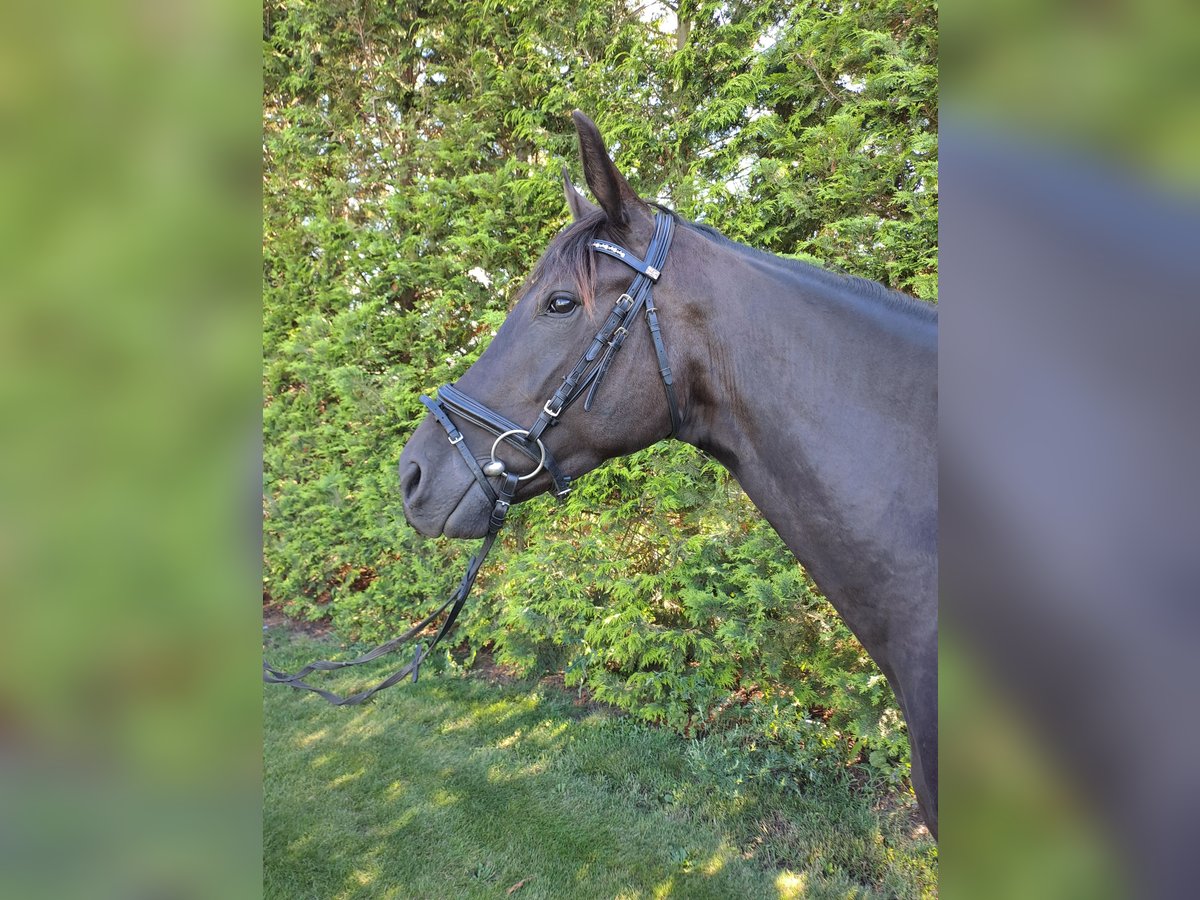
584,377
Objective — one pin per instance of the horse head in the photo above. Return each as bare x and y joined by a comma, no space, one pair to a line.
550,399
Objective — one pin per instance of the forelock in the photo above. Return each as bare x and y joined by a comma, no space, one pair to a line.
570,255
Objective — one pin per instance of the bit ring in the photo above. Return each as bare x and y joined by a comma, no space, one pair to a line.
541,447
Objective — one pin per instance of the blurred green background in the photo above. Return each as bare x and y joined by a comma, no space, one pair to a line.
129,246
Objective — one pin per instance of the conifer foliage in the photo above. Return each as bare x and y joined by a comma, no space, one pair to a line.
411,160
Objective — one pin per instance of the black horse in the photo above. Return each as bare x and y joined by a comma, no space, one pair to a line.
818,391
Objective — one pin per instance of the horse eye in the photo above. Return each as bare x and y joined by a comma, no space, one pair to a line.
561,305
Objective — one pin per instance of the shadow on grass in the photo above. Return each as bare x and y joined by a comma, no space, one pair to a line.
455,788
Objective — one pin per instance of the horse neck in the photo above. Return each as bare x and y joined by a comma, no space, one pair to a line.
822,401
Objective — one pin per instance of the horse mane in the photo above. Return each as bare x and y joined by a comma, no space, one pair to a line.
863,286
572,251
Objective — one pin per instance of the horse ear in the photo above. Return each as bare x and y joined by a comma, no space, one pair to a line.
579,204
616,197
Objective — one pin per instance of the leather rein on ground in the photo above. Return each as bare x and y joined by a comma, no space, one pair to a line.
585,376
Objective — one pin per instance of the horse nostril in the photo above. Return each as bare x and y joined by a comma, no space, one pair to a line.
409,481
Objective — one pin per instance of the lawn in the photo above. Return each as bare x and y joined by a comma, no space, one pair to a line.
459,787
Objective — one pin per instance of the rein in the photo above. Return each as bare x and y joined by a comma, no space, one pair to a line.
583,378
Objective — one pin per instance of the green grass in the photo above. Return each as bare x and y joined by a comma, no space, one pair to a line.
456,788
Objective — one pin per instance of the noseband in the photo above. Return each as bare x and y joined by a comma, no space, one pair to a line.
583,378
